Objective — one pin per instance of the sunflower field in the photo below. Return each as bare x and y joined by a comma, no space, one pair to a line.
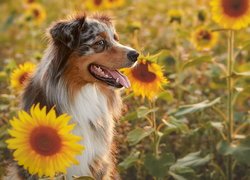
187,112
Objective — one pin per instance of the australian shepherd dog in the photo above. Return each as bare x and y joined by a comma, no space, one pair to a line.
79,76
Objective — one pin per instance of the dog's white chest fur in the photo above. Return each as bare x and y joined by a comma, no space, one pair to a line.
94,124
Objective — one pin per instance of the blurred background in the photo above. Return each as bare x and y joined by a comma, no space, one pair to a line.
188,139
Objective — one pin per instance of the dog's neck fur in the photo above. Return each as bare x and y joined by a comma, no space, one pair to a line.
90,110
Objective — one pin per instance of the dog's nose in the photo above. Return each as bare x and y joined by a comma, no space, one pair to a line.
133,55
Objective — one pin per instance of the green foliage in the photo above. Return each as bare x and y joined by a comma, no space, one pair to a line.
239,151
158,166
130,160
186,109
136,135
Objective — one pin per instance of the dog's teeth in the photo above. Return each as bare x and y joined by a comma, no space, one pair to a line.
117,80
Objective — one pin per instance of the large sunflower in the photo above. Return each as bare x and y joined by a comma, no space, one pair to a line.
232,14
204,39
42,142
36,13
20,75
146,78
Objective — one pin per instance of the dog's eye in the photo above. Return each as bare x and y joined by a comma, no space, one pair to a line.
100,43
100,46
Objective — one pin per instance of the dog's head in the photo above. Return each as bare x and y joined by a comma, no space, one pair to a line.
95,51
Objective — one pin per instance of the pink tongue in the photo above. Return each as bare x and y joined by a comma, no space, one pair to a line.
123,80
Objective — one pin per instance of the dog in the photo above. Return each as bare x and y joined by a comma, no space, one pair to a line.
79,75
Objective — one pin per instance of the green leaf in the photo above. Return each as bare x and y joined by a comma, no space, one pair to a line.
10,66
217,125
183,167
244,45
183,173
138,134
158,166
197,61
239,151
3,145
166,95
187,109
176,176
3,130
130,160
173,124
241,74
144,111
224,148
141,112
129,116
192,160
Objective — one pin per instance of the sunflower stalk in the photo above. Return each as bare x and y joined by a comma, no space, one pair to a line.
155,135
230,99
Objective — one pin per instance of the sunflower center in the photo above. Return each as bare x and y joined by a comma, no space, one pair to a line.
97,2
142,73
45,141
30,1
36,13
205,35
235,8
23,78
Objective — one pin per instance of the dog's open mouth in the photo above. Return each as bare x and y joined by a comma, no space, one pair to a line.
111,77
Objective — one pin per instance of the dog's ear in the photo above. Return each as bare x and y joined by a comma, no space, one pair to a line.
67,32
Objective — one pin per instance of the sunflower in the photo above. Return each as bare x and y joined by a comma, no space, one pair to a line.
174,15
232,14
115,3
203,39
28,1
95,4
146,78
20,75
103,4
42,142
36,13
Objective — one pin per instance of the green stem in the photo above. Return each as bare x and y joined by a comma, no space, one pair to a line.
155,131
230,98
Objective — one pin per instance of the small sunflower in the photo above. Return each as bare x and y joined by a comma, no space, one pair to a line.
95,4
232,14
103,4
29,1
20,75
203,39
174,15
146,78
114,3
36,13
42,142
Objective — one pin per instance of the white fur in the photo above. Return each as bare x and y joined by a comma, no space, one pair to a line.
90,105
